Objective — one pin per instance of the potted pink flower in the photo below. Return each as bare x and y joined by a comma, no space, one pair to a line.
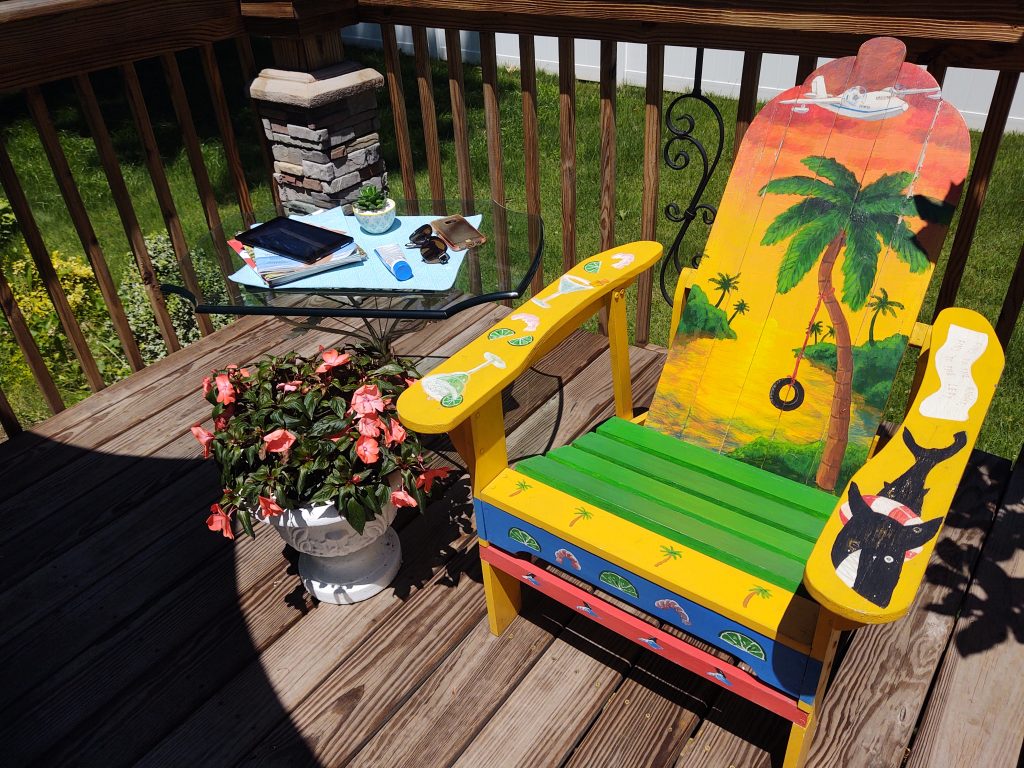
314,448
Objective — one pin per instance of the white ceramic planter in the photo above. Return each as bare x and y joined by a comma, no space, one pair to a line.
337,564
375,222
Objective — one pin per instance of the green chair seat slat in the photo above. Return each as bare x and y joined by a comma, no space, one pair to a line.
759,481
726,547
749,504
686,504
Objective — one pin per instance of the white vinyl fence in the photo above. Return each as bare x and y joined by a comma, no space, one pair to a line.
969,89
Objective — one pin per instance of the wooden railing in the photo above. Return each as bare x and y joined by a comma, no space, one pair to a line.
68,39
939,35
100,34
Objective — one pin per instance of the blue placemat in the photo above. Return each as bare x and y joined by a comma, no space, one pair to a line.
371,275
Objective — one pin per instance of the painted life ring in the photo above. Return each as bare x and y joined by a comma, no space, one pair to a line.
794,402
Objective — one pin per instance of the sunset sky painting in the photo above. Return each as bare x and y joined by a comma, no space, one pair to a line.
722,364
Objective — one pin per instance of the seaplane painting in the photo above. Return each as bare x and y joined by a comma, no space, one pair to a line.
859,103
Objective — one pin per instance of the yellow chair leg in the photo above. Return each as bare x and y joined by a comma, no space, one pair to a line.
799,742
504,599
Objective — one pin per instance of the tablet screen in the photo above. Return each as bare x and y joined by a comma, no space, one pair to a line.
295,239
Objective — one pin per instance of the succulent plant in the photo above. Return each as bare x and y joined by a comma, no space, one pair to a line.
371,198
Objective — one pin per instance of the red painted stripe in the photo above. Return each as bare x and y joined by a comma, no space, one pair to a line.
640,632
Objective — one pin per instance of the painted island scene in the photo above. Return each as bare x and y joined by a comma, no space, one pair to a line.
814,273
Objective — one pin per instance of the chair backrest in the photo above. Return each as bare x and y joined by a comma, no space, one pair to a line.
814,273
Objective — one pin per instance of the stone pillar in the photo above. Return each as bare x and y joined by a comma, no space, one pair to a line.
322,127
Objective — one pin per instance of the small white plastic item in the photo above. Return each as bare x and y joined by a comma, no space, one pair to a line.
394,259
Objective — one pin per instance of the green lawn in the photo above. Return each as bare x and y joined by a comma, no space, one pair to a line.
996,246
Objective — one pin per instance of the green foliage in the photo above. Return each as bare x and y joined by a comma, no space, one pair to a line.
798,462
140,313
828,210
874,365
8,224
701,318
337,431
372,198
87,304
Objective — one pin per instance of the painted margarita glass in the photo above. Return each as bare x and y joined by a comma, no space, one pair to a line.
447,388
568,284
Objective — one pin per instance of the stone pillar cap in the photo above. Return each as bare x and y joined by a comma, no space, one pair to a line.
317,88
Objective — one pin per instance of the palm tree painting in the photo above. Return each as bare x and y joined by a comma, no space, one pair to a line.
756,591
823,209
739,308
724,284
816,328
521,486
880,304
581,513
838,215
670,553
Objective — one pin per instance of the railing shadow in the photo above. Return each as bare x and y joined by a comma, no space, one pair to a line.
126,614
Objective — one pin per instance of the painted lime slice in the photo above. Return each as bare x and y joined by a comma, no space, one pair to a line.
592,266
614,580
451,401
518,534
498,333
743,642
522,341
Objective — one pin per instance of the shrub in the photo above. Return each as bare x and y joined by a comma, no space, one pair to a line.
8,224
136,302
79,284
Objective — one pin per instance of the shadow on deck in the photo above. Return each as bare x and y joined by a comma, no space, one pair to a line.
133,635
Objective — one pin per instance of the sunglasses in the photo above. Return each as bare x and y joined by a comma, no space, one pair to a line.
432,248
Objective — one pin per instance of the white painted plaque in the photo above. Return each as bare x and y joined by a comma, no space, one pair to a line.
957,391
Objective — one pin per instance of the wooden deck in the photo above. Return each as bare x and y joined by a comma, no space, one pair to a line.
133,635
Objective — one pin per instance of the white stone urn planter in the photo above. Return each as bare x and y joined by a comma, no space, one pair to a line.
375,222
337,564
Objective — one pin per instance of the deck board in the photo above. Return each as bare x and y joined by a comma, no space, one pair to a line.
980,676
132,635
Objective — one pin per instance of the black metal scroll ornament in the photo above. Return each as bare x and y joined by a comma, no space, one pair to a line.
681,143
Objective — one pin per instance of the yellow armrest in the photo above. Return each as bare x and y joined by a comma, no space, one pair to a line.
463,383
871,556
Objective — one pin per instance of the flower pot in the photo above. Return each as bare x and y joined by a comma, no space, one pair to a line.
375,222
337,564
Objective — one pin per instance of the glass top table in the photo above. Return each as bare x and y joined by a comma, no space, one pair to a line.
499,270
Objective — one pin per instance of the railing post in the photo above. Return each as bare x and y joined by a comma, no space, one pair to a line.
393,74
531,147
162,189
651,168
567,141
80,220
125,210
970,208
41,257
495,164
609,65
747,106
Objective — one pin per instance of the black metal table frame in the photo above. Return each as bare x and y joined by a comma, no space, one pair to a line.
442,313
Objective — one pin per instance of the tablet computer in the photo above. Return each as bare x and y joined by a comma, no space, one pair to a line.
294,239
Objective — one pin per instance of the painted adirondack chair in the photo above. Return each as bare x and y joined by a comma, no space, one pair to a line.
717,513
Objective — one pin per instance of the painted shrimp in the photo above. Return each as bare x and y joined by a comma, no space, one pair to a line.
531,322
562,555
672,605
